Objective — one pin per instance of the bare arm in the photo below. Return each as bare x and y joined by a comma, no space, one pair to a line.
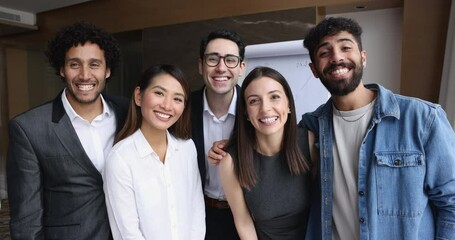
234,194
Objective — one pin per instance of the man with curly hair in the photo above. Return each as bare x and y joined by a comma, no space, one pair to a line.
57,150
387,161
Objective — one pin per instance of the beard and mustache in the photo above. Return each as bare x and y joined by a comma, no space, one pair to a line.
341,87
85,98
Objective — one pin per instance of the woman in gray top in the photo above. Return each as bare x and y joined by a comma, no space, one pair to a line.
265,174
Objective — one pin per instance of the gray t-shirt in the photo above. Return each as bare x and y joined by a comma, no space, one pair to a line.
349,130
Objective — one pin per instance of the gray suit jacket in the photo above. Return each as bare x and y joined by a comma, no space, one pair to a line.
54,190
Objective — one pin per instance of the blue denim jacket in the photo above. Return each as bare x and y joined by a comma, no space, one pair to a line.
406,181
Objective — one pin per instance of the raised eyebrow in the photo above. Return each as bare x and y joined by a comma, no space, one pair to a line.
275,91
73,60
79,60
345,40
324,44
95,60
180,95
270,92
219,55
252,95
159,87
165,90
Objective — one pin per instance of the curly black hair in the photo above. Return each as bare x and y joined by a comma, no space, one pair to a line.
329,27
78,34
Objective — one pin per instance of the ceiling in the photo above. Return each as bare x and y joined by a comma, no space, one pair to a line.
56,9
37,6
28,7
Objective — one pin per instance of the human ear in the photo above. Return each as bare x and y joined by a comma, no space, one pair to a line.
137,96
200,66
313,70
62,72
108,73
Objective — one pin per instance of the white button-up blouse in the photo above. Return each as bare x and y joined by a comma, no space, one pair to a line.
147,199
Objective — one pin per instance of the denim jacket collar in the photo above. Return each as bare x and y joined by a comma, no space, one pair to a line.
386,105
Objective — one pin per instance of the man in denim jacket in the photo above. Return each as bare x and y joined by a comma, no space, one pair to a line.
387,162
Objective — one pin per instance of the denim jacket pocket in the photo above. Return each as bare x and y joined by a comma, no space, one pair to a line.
400,179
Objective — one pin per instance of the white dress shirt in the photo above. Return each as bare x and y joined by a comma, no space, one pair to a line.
97,136
216,129
147,199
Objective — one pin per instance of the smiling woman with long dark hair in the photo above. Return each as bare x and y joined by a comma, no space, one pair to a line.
152,183
266,173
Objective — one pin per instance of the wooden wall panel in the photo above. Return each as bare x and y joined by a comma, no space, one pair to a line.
424,36
120,15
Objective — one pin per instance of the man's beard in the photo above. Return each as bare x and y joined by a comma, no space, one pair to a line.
342,87
80,98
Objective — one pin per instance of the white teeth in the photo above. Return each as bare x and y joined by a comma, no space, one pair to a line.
85,87
220,78
269,120
340,71
162,115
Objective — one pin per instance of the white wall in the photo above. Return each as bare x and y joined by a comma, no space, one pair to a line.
382,40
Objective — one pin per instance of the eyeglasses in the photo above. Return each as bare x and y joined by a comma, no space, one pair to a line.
213,59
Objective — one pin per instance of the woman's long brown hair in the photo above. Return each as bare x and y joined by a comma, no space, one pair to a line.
244,137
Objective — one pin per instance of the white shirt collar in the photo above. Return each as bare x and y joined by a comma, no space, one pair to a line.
232,106
143,147
72,114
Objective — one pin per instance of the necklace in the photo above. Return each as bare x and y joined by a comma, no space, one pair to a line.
354,120
366,108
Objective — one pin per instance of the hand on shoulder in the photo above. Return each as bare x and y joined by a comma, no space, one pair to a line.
216,152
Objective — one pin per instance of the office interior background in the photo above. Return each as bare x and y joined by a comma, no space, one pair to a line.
409,43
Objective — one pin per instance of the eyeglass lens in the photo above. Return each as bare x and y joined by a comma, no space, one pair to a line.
230,61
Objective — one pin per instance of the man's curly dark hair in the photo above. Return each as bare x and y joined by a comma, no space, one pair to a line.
330,27
78,34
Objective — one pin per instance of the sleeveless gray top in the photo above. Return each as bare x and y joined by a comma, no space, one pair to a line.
279,202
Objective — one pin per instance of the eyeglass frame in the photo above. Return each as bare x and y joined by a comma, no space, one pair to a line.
224,59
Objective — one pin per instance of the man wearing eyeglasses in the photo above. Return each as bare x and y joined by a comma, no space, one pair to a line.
213,119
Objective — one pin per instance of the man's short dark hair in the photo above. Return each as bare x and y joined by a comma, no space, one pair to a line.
225,34
330,27
78,34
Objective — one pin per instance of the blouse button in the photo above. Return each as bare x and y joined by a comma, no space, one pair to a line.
397,162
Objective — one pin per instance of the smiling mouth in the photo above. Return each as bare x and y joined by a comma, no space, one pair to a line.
268,120
340,71
220,79
162,115
85,87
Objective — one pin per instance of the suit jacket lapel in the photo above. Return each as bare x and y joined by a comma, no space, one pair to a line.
64,130
120,107
198,130
197,108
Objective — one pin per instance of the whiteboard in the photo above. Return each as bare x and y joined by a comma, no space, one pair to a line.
292,60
